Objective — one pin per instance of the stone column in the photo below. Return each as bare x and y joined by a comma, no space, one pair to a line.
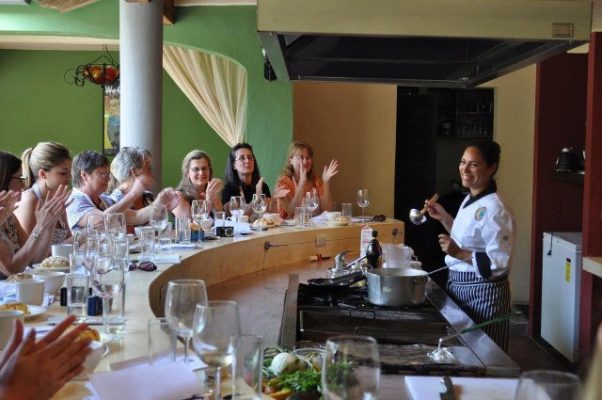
141,77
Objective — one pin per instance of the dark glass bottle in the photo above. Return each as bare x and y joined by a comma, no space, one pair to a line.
374,253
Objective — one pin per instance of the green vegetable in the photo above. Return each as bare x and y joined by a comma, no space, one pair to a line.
301,381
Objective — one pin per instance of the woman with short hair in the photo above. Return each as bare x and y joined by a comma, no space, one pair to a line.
91,180
17,248
128,164
198,183
298,178
47,165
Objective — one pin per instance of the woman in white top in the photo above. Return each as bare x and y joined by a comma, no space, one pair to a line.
480,242
129,164
46,167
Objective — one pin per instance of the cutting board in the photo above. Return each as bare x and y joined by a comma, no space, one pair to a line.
429,387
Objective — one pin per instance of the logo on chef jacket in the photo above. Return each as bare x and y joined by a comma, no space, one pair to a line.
480,213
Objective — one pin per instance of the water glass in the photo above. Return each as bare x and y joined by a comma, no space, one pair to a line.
77,295
363,200
548,385
147,242
248,368
220,218
107,280
312,201
183,230
259,203
115,225
300,214
351,368
347,210
162,342
121,248
159,217
164,245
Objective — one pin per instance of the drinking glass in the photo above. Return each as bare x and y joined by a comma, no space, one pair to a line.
120,248
77,295
247,383
199,211
183,230
216,330
260,204
107,279
347,210
90,252
115,225
548,385
181,299
351,368
236,206
91,225
363,200
312,201
159,217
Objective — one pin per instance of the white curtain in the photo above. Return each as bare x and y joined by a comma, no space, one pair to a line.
216,86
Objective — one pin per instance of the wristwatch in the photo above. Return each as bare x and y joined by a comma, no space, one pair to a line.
35,233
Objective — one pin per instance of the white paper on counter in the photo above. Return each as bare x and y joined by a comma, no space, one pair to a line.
149,382
465,388
166,258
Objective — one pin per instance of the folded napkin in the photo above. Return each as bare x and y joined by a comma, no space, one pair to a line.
183,245
148,382
166,258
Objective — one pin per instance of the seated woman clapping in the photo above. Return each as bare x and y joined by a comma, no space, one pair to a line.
131,163
46,166
17,248
198,183
298,178
89,202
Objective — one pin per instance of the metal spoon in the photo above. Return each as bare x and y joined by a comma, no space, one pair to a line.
417,216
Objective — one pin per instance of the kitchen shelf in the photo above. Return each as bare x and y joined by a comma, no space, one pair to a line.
574,177
593,265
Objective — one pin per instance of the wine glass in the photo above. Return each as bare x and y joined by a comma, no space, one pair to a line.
548,385
107,279
351,368
363,200
259,203
311,203
181,298
216,330
159,218
115,225
91,249
199,209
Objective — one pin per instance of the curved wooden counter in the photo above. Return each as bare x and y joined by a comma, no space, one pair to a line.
260,263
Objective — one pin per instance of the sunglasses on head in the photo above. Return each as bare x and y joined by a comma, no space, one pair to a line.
143,266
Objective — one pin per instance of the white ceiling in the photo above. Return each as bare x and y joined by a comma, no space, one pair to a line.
21,42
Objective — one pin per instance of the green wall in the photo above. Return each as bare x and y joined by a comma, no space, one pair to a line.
36,104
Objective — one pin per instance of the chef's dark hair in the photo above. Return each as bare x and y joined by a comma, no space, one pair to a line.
490,151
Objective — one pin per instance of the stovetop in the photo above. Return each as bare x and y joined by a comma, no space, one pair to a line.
405,334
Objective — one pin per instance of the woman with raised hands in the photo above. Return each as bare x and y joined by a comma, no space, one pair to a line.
131,163
46,166
198,183
17,248
298,178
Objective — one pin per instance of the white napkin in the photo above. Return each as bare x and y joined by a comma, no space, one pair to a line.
320,218
183,245
166,258
149,382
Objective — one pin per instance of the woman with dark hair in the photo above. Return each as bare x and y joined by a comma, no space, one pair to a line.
198,183
17,248
242,175
47,165
298,178
91,180
480,241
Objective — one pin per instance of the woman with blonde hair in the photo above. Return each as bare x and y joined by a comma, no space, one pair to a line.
198,183
17,248
47,166
298,178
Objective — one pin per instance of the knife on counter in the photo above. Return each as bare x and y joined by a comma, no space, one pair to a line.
448,394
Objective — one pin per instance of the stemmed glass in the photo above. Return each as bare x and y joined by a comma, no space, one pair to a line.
237,206
311,202
363,200
182,296
159,218
549,385
115,225
351,368
260,204
216,329
199,211
107,279
91,250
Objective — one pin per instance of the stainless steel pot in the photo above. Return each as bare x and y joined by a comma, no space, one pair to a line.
396,287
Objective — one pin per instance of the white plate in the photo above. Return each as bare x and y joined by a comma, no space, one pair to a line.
34,311
261,227
334,223
39,266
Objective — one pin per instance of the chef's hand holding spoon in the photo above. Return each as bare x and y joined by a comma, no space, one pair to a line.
436,211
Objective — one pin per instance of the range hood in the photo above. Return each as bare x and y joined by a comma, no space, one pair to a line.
432,43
